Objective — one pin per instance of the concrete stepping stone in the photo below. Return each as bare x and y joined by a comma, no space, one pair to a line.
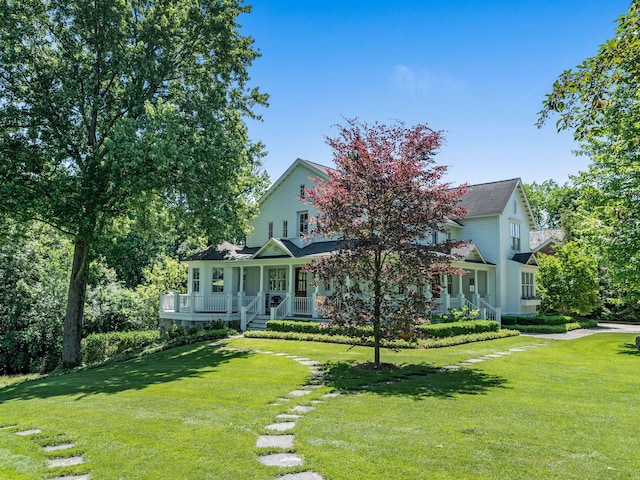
312,386
301,476
451,367
309,363
25,433
281,354
8,427
275,441
517,350
474,360
331,395
65,462
302,409
285,416
281,460
281,426
299,393
55,448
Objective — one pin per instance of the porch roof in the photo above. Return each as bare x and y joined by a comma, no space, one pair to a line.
282,248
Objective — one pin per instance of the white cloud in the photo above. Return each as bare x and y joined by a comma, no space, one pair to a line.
425,82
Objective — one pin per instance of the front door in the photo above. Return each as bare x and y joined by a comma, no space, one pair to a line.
301,282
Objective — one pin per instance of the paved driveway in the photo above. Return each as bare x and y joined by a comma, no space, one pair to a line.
583,332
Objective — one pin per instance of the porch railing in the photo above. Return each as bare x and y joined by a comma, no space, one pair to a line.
249,312
280,310
302,306
488,312
215,302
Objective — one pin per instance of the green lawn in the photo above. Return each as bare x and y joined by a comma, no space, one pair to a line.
565,410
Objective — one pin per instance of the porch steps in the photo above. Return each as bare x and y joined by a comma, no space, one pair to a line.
258,323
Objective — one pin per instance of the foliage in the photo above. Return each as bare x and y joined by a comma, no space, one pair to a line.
537,319
446,341
550,202
561,328
113,112
33,281
568,280
423,331
451,329
600,101
98,347
383,201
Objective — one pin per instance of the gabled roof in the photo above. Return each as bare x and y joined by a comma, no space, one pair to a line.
274,248
491,198
469,252
528,258
539,239
316,169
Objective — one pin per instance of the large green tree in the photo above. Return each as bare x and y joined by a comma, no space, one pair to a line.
109,107
600,101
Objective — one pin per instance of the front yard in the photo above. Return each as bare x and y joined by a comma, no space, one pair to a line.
568,409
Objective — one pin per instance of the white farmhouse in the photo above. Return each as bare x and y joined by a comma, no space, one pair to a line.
264,279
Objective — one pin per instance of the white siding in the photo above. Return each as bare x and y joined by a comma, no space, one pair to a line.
282,204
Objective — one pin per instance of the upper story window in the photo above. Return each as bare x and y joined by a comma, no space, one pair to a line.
285,229
528,285
303,223
195,280
514,232
434,237
302,191
217,280
270,229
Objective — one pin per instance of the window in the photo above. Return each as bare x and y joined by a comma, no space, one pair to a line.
285,229
302,192
303,223
270,229
515,207
277,279
301,280
217,280
195,277
528,285
514,229
434,237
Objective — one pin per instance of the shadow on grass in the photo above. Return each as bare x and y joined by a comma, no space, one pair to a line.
629,349
416,381
167,366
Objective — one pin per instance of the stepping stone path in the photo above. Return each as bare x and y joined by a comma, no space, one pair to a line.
287,421
55,462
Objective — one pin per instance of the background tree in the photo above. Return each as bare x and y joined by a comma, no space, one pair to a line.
383,201
550,202
109,107
568,280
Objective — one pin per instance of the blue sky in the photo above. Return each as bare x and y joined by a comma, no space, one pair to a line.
479,70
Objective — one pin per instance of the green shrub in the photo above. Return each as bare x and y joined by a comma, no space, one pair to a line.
317,327
563,328
98,347
368,341
443,330
537,320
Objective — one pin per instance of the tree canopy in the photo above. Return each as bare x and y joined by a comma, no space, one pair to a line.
600,101
111,107
384,201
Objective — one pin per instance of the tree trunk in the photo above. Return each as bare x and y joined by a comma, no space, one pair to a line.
71,353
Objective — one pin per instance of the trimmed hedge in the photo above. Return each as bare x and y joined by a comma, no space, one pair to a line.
547,323
443,330
100,346
368,341
436,330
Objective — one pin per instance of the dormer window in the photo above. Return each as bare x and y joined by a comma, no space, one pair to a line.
270,229
285,229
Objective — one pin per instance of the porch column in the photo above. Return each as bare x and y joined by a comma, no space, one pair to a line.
445,297
476,295
290,292
241,289
261,292
314,302
460,291
228,288
176,302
